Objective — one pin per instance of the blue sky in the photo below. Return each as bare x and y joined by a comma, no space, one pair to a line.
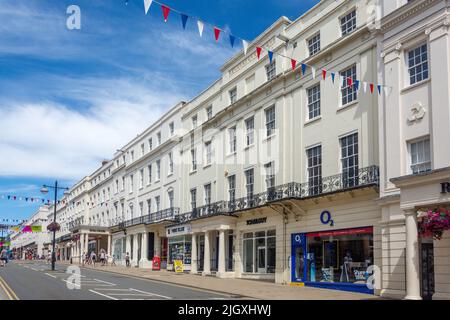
70,98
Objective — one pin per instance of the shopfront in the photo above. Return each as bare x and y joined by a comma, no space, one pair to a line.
337,259
179,245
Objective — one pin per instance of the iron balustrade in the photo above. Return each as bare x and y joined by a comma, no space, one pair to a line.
346,181
167,214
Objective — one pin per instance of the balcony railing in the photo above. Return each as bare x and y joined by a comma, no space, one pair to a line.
167,214
364,177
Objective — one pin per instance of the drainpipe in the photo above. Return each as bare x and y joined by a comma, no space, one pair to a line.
285,221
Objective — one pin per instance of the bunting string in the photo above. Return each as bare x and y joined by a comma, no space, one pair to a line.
344,81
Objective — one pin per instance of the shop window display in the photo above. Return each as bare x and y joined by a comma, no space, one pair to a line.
339,256
180,249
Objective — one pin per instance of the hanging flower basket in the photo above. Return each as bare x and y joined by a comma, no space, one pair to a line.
54,226
434,223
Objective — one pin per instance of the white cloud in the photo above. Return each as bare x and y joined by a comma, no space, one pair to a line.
52,140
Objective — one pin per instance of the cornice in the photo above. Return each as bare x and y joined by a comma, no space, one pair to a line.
406,12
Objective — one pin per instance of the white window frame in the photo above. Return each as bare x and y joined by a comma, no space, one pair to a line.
421,68
270,122
314,44
348,22
250,131
425,163
314,101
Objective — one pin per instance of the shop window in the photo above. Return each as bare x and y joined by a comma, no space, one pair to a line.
339,256
259,252
180,249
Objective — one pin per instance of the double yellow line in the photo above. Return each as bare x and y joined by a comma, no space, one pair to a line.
7,289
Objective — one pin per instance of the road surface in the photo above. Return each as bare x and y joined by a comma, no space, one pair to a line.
35,281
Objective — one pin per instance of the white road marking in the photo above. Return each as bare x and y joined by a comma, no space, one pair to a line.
110,283
152,294
112,289
50,275
104,295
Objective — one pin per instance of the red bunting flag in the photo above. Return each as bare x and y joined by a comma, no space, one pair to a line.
324,74
258,51
166,11
217,33
293,63
371,88
349,82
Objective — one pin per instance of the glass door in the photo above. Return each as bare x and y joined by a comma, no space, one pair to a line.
261,259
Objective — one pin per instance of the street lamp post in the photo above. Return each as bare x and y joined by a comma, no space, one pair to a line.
44,190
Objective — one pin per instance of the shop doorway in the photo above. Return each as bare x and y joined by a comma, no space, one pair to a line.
427,266
261,259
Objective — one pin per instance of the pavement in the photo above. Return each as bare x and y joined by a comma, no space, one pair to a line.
34,280
250,289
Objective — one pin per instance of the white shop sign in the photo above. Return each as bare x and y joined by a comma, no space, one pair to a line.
178,230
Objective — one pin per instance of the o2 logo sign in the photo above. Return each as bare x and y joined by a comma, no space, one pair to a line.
325,218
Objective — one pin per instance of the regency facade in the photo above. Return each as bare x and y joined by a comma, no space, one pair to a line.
271,173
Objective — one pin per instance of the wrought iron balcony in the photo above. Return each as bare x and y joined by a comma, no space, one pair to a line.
365,177
167,214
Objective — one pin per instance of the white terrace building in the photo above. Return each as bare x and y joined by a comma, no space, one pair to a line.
23,242
274,174
414,147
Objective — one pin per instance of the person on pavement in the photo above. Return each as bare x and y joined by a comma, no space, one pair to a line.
93,258
4,257
127,259
102,256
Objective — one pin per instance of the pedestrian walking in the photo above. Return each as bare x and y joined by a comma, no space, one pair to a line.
127,259
93,258
4,257
102,257
113,260
49,257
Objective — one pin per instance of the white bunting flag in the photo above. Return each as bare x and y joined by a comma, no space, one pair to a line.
386,91
313,72
200,27
245,45
343,82
147,4
365,87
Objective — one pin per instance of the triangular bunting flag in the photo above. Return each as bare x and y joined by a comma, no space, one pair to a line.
217,33
365,87
349,82
303,68
356,85
184,19
313,72
270,53
371,87
232,39
386,91
293,63
245,45
165,11
324,74
147,4
379,89
333,77
200,27
258,52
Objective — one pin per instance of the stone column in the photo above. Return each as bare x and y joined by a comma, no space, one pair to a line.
109,245
194,254
207,258
135,249
157,245
144,249
86,243
221,262
82,244
412,257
